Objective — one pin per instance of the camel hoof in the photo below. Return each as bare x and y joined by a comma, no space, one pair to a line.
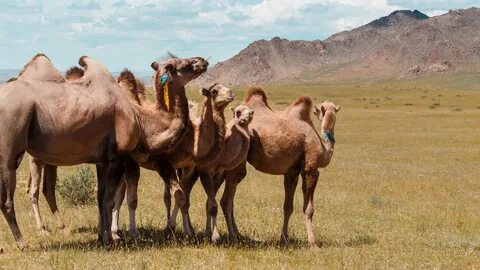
215,237
284,240
44,232
116,237
169,232
22,245
134,234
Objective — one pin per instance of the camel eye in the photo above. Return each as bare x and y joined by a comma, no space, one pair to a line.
238,113
214,92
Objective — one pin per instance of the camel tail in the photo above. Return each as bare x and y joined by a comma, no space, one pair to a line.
257,91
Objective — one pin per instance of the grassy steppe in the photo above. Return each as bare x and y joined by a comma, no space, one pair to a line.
402,191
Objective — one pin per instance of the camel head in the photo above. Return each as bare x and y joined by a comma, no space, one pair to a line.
219,95
179,71
326,112
242,115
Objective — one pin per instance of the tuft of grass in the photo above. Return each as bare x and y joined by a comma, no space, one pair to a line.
78,189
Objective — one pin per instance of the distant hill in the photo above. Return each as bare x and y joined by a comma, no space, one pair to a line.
403,44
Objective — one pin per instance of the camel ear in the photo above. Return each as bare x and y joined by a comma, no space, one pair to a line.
204,92
322,109
337,108
316,111
155,66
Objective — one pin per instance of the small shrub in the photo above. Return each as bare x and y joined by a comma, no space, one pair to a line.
457,110
408,104
78,189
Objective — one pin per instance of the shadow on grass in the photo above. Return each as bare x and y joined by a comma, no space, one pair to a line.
161,238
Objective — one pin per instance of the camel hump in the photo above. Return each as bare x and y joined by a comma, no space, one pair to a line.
74,73
94,70
300,109
132,85
40,68
256,93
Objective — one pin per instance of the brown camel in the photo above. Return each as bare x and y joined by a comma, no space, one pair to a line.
90,121
136,90
201,146
235,150
285,144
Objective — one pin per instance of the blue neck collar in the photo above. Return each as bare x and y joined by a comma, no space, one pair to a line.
329,136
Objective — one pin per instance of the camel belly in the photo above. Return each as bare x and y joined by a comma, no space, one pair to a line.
274,156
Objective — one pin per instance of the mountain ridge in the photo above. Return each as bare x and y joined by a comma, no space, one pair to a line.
402,44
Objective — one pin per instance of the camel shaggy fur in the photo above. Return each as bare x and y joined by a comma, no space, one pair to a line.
285,144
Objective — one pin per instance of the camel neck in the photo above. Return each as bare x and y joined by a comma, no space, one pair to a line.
328,142
211,133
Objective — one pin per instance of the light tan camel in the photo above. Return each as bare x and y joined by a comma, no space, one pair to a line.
88,120
285,144
201,146
136,91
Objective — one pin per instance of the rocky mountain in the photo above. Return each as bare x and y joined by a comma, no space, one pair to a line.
402,44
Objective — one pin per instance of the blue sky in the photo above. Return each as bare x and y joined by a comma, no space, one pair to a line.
133,33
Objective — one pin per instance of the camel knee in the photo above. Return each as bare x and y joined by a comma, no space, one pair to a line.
309,210
8,207
212,208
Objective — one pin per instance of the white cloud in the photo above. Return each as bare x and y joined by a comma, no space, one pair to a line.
432,13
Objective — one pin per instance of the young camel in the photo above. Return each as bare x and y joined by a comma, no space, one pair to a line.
92,119
285,144
201,146
136,93
237,143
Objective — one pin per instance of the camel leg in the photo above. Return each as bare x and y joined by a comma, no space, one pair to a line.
36,168
232,179
308,187
49,183
211,206
132,176
187,183
169,176
8,182
290,182
101,186
119,196
115,172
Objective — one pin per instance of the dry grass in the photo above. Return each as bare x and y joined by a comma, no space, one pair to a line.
402,191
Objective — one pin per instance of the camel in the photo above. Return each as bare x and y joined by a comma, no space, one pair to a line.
235,150
90,121
285,144
201,146
136,92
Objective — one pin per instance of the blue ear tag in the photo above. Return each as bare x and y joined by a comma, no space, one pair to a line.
164,79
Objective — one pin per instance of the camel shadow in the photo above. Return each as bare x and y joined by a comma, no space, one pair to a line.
160,238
